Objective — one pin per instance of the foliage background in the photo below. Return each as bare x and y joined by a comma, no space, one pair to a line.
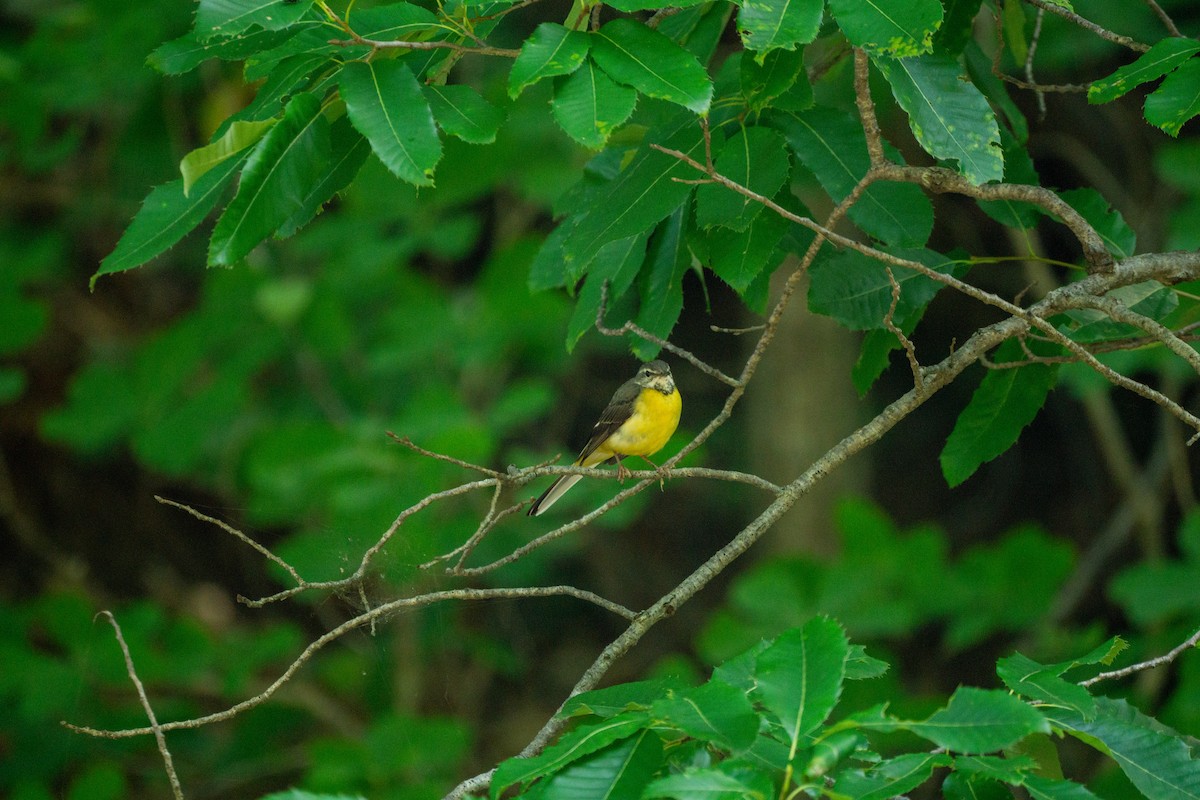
261,395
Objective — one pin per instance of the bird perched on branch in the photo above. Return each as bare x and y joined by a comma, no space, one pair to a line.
638,421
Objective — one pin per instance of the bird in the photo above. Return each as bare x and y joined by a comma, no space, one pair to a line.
639,419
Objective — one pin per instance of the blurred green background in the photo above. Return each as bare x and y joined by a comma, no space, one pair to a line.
262,395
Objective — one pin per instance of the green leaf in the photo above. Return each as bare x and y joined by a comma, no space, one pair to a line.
830,144
572,746
713,712
620,770
800,675
980,721
1163,57
644,5
890,778
1018,168
1153,593
228,17
860,666
386,105
348,150
648,61
855,290
617,264
765,25
1006,770
238,136
949,116
1040,788
661,289
640,196
165,217
957,786
461,111
548,270
613,700
278,176
1006,401
187,52
589,105
958,26
1119,238
1039,682
1176,100
889,29
755,158
738,257
1154,758
778,71
550,50
710,784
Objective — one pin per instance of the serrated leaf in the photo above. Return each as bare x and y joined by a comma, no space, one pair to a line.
165,217
461,111
550,50
1007,770
1039,682
1040,788
1006,401
613,700
711,783
958,26
187,52
1154,758
617,264
890,29
348,150
229,17
620,770
238,136
738,257
830,144
980,721
1164,56
855,290
571,747
778,71
1176,100
385,103
956,786
548,270
860,666
645,59
661,285
800,675
754,158
640,196
278,176
288,76
949,116
1018,168
890,778
765,25
1149,299
589,105
712,712
1119,238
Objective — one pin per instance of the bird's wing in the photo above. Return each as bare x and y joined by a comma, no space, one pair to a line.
619,409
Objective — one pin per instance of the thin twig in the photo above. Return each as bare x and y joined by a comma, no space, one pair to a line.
155,728
404,440
1166,19
910,349
359,621
1167,658
232,531
482,50
637,330
1029,54
1088,25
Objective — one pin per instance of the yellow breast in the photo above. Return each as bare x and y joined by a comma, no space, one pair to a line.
654,419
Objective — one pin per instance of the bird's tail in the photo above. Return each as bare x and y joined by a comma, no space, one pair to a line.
551,495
